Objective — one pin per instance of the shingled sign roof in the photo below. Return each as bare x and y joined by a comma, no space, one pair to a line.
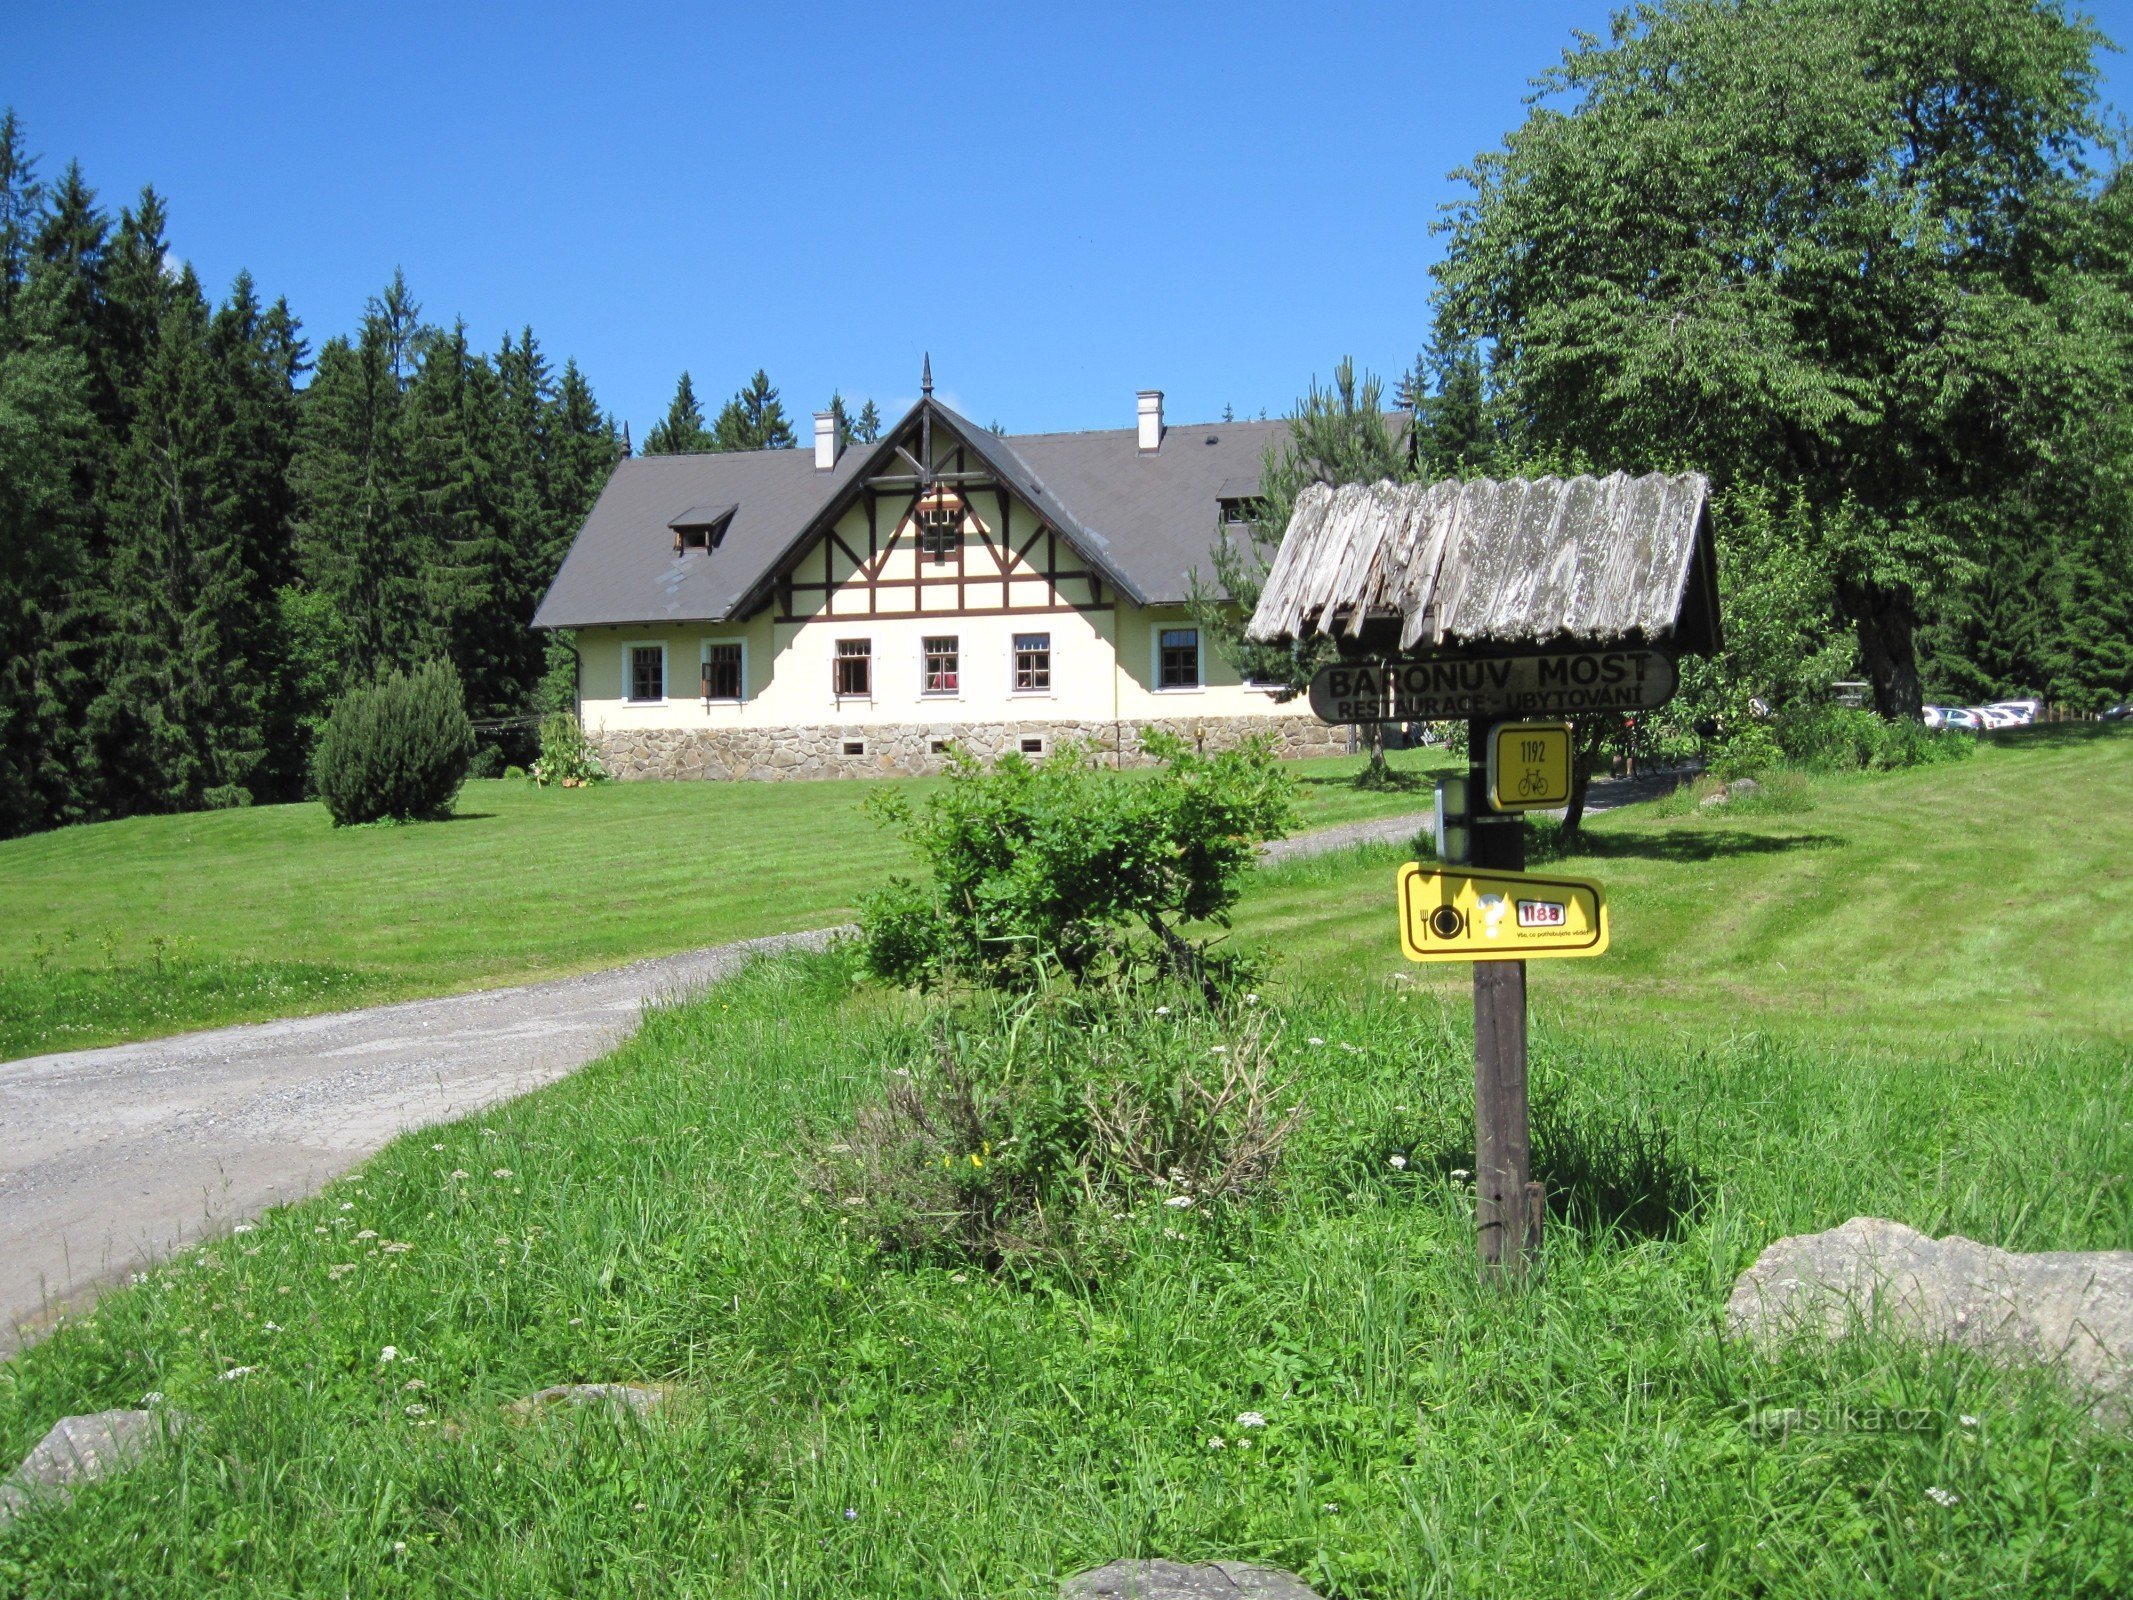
1523,562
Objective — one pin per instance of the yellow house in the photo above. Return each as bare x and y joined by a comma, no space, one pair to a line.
779,615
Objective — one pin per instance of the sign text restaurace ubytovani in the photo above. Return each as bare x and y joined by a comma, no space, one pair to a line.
1560,684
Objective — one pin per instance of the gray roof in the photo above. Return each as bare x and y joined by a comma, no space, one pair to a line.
1144,520
1522,561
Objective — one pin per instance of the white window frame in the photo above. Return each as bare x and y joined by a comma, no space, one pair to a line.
703,660
1051,665
629,674
872,661
1155,658
924,693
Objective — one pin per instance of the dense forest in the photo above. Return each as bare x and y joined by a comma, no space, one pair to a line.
208,533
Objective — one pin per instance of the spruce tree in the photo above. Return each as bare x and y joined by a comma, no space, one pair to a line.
357,541
754,419
181,720
681,431
867,429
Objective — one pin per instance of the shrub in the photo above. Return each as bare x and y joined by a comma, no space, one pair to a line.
1049,867
1027,1124
1844,738
567,756
397,749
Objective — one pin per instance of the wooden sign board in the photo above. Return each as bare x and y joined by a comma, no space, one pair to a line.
1560,684
1498,916
1529,765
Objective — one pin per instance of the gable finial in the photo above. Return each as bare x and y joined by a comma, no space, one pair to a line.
925,382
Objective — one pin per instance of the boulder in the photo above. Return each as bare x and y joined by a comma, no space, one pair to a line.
640,1400
77,1450
1168,1580
2071,1310
1739,788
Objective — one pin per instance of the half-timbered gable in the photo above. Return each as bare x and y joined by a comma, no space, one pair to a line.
862,610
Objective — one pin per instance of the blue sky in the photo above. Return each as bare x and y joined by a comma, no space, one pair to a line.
1062,202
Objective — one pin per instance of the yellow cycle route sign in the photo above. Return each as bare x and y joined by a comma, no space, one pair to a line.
1529,765
1498,916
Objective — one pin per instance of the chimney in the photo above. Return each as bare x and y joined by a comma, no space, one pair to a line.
827,444
1151,407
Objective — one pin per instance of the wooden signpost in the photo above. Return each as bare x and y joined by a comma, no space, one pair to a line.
1511,605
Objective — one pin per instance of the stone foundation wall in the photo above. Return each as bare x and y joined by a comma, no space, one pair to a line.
910,750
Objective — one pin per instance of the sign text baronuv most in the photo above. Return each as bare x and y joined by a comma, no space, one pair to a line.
1560,684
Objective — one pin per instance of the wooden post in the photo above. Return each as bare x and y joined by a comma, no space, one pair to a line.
1506,1225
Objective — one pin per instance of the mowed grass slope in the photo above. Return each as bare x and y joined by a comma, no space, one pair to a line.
1990,896
157,924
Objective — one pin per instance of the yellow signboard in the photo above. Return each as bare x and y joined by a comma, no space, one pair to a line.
1498,916
1529,765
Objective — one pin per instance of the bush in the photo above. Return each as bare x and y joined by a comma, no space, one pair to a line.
397,749
1846,739
1049,867
1030,1125
567,756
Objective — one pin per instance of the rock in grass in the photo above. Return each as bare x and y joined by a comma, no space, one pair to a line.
77,1450
1168,1580
639,1400
1741,788
2071,1310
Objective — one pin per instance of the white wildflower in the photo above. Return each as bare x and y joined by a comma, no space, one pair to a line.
1250,1419
1251,999
348,1205
1178,1202
398,1247
270,1327
1217,1442
1461,1174
461,1172
154,1397
1314,1039
1943,1497
1399,1163
418,1411
388,1355
501,1172
238,1372
368,1233
414,1383
1218,1050
242,1227
318,1230
436,1147
1967,1420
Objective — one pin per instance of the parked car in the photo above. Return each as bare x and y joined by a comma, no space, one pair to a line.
1962,717
1934,716
1992,718
2118,713
2023,711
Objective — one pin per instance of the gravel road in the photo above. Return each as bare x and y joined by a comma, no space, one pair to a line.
112,1157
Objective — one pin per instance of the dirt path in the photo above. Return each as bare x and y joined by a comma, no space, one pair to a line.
111,1157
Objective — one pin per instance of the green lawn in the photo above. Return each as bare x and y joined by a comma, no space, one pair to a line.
158,924
1751,1062
1988,897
